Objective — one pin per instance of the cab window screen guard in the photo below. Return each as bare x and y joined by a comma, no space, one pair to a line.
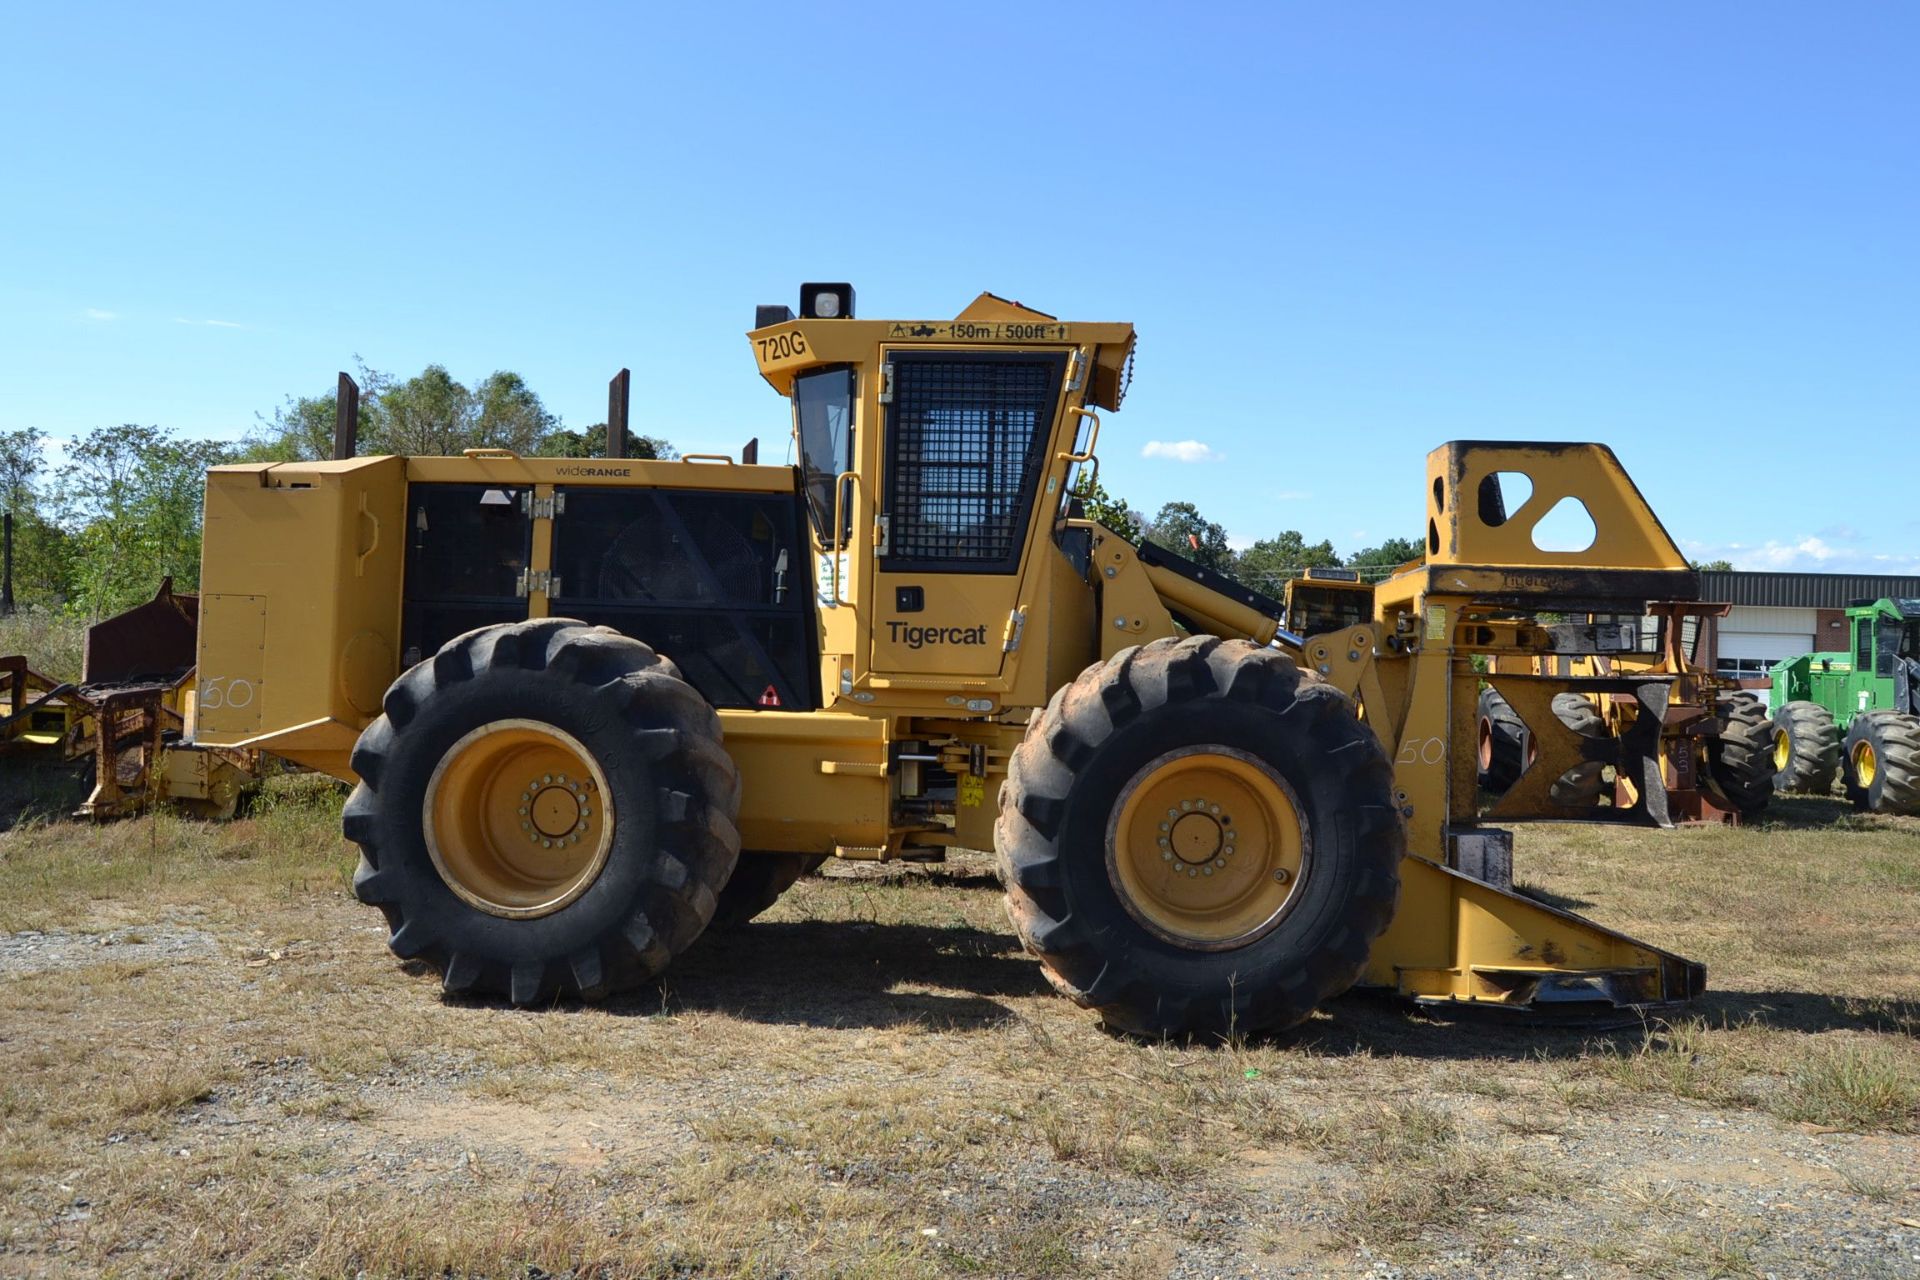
1887,645
823,416
967,435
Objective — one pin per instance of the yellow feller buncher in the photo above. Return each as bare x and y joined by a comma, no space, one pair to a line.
1716,740
592,705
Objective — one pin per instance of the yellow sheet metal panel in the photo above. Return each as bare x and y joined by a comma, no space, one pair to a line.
624,473
301,608
809,782
1456,938
1476,515
231,682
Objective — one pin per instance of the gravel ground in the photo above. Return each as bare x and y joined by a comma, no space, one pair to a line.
210,1064
30,951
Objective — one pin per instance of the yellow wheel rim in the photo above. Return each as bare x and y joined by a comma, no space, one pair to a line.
1782,749
518,818
1866,766
1207,847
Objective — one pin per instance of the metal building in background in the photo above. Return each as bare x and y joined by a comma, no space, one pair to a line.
1782,615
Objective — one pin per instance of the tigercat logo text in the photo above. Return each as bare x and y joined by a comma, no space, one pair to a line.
920,637
593,471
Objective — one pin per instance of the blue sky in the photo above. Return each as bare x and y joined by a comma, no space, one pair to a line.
1346,233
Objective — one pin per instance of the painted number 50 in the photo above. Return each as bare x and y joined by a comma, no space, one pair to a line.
1422,751
222,692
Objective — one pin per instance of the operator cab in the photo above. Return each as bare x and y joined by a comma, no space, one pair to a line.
935,456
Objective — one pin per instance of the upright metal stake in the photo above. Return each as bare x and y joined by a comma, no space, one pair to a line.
6,581
618,392
346,419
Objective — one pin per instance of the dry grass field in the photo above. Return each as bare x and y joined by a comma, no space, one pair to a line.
209,1064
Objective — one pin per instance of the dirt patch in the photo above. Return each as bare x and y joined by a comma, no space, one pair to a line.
585,1131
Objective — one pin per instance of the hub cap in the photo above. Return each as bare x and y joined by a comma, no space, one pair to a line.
1782,749
1866,766
1207,848
517,818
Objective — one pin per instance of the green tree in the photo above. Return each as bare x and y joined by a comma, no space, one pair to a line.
1103,507
130,499
592,443
301,430
1183,530
20,462
431,414
1711,566
1268,563
1386,557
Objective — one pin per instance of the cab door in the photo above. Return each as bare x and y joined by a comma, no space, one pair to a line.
965,439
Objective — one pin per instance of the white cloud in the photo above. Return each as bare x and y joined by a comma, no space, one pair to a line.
1809,554
1240,541
211,324
1180,451
95,313
1293,495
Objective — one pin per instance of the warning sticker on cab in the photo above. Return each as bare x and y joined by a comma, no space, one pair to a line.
979,331
973,790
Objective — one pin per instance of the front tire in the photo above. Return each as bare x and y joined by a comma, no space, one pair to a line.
544,810
1196,837
1883,762
1806,748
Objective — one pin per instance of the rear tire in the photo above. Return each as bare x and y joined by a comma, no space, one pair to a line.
757,882
1805,752
1290,795
626,847
1883,762
1740,760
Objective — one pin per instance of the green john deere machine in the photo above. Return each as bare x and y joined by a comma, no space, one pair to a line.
1856,713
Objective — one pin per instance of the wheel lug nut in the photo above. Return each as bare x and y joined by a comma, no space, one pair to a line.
1166,857
1207,870
1280,876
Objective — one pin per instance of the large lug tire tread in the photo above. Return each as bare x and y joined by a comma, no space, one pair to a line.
1895,738
757,882
1508,738
1740,760
1582,786
1067,774
675,791
1813,741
